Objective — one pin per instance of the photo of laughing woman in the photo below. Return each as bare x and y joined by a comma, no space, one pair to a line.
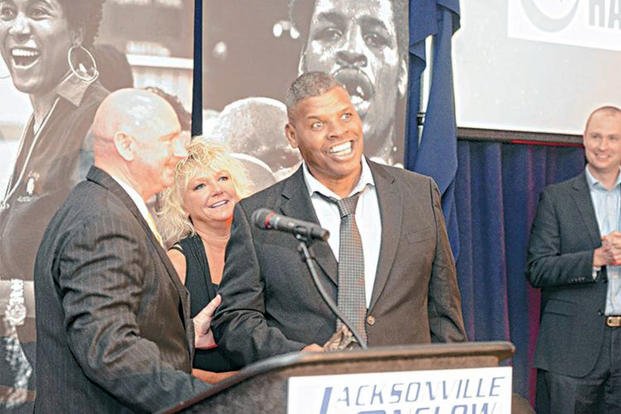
45,46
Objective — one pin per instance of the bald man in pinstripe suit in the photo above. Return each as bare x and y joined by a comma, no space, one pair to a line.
114,328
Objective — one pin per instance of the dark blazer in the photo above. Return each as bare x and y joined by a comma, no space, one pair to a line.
113,320
560,262
270,305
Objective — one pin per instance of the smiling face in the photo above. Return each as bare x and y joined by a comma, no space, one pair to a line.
328,132
602,143
34,39
210,198
356,42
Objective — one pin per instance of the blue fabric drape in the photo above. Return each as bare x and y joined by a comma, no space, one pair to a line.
496,193
436,154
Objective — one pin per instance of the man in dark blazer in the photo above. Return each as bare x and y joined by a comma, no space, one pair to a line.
270,305
574,257
114,331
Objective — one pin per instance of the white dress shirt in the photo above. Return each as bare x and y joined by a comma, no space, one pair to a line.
142,207
368,219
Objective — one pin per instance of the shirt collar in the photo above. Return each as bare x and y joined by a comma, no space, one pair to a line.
133,194
72,88
594,182
314,186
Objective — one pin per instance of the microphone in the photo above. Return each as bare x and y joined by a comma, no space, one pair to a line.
267,219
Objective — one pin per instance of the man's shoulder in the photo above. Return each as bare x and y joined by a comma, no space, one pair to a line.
269,197
399,175
89,201
564,187
87,208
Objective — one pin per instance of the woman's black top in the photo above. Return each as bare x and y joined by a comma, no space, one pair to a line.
202,291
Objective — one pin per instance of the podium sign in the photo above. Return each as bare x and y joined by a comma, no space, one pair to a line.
451,391
456,378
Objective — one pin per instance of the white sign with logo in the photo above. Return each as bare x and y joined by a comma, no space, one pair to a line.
453,391
588,23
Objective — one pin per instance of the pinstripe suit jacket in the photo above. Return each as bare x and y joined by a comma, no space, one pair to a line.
113,321
270,305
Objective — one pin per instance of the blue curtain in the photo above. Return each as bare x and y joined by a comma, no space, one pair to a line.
496,192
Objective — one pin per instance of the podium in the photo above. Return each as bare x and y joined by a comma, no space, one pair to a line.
264,387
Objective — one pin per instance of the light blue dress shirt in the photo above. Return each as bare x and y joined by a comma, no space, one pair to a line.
607,205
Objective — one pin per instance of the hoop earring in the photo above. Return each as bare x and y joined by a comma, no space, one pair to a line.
86,74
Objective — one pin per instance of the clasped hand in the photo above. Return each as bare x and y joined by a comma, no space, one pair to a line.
611,248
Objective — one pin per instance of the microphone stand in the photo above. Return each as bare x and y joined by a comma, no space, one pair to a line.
309,259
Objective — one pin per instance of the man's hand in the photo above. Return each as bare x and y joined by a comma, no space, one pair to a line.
212,377
611,245
312,348
600,256
203,336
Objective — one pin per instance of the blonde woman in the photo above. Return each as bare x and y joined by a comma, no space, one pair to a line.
195,217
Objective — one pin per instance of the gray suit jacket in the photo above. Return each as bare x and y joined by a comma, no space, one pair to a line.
270,305
560,260
113,320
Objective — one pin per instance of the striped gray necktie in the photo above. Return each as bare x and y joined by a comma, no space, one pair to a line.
351,294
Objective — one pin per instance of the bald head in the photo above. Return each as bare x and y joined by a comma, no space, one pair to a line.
607,110
134,112
137,139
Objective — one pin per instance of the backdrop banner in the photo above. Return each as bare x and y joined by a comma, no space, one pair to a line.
252,52
122,43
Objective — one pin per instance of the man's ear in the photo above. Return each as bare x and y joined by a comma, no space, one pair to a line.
290,134
125,145
402,80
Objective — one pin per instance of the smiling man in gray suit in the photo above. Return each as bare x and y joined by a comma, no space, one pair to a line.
114,328
409,287
574,256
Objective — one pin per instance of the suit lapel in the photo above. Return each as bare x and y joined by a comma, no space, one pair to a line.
391,210
297,203
582,198
105,180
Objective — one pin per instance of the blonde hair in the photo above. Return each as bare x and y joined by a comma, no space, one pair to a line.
204,158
